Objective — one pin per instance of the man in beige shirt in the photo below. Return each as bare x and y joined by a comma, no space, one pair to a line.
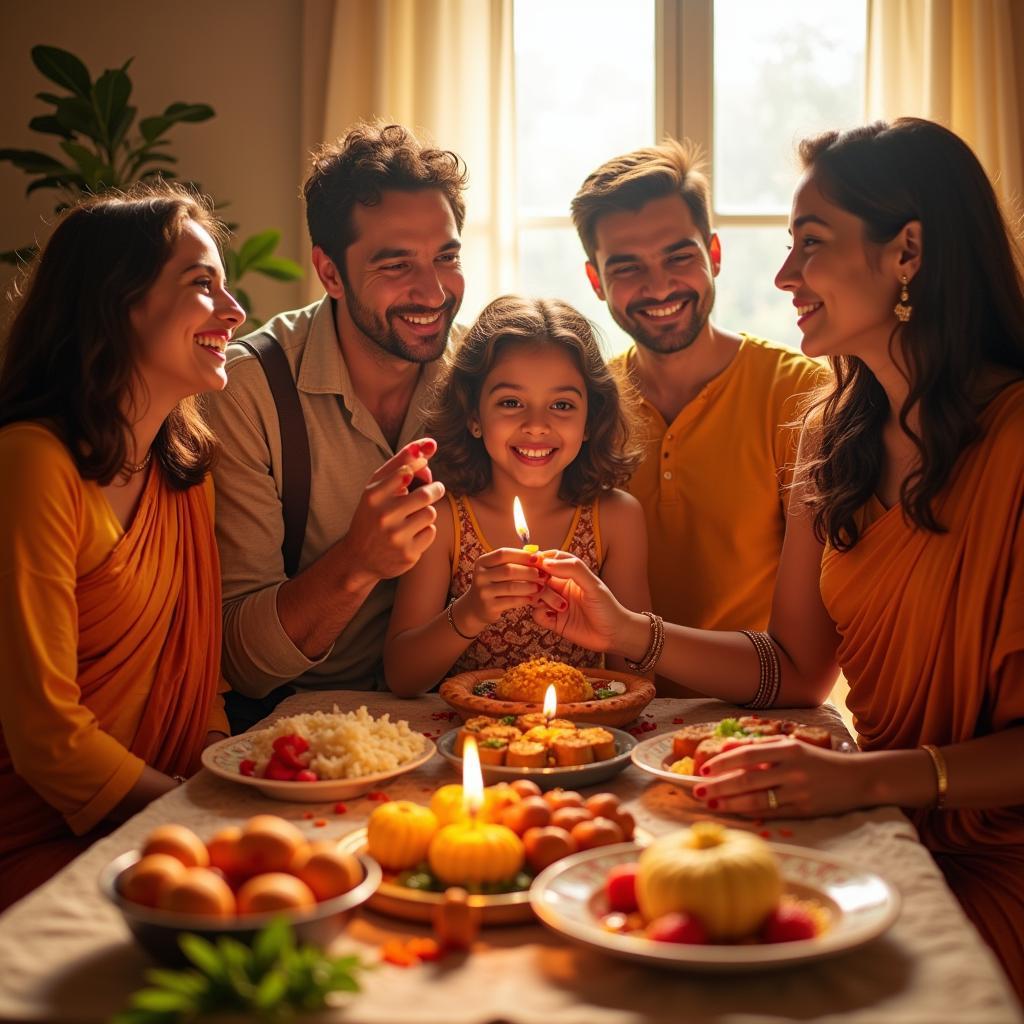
385,215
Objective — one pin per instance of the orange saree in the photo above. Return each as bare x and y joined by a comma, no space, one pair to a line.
932,644
110,666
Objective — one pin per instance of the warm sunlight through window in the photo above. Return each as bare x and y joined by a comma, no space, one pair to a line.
586,76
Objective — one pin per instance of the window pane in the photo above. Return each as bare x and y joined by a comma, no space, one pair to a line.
584,93
782,71
551,266
746,298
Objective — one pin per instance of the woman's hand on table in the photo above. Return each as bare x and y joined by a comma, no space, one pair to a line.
784,779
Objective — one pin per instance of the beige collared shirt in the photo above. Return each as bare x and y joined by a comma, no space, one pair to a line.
346,448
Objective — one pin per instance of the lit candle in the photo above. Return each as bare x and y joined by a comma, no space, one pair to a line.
550,702
474,852
521,528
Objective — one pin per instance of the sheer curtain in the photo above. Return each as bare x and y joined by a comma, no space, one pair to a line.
444,67
953,61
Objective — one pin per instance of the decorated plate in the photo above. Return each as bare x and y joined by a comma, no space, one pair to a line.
573,777
223,759
417,905
568,897
620,709
655,755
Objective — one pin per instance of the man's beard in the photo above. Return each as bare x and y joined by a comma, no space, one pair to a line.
672,341
383,334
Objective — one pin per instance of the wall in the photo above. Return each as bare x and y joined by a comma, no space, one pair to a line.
240,56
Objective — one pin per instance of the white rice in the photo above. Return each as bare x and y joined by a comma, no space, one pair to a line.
344,745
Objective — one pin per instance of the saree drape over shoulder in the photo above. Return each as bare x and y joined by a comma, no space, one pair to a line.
109,642
932,644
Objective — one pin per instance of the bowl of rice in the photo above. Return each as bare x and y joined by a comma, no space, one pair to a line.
350,752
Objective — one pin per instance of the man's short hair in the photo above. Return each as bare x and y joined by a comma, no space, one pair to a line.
371,158
630,181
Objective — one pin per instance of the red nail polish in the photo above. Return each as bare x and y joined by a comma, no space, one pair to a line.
414,450
699,792
713,804
705,770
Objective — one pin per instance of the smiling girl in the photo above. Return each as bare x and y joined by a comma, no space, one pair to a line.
109,576
526,408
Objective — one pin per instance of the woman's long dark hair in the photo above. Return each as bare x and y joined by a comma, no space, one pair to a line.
70,353
968,314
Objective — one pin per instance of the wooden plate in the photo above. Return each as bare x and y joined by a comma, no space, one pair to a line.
457,693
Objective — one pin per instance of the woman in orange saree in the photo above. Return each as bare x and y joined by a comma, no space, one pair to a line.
903,561
109,576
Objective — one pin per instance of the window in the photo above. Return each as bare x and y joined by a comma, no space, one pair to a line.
745,79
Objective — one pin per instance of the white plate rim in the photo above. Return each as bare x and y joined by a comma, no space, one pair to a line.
643,758
308,792
838,939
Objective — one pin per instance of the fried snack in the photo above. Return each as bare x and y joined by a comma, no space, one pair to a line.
526,754
492,751
686,740
500,732
601,740
472,727
572,749
531,721
529,682
710,748
813,734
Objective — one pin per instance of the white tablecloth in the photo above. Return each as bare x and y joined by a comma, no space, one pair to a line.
66,955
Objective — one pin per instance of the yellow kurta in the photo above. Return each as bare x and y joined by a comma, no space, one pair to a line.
713,485
109,643
932,643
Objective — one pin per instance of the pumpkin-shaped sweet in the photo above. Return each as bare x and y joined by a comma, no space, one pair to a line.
728,879
475,853
448,804
399,833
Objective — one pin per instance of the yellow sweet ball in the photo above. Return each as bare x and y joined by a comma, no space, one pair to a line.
446,803
475,853
399,833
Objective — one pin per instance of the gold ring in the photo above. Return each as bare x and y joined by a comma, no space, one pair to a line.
773,800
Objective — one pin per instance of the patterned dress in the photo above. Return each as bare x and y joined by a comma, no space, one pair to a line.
515,637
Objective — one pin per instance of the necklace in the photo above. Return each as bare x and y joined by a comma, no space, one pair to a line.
131,468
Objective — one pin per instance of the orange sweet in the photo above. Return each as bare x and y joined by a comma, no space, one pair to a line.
274,891
199,892
178,842
223,850
326,870
268,843
144,881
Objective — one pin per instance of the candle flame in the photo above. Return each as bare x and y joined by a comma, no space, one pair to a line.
550,702
472,779
520,520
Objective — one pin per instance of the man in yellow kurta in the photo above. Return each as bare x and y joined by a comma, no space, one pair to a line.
108,642
932,643
716,405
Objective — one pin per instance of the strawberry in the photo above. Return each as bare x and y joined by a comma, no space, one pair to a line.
620,888
788,923
677,927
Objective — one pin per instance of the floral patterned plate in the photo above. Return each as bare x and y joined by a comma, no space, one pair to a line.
568,897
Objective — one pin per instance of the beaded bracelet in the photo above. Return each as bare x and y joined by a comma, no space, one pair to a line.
941,774
451,622
770,676
653,652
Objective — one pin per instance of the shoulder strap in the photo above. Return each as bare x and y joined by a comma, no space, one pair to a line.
295,460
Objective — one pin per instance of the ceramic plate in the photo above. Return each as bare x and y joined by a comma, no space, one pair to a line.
416,905
654,755
458,693
223,759
574,777
568,897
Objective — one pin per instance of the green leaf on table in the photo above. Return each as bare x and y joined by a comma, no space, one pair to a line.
189,983
204,955
63,68
271,990
272,942
162,1000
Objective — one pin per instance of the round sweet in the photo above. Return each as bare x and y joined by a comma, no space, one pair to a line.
727,878
475,854
399,833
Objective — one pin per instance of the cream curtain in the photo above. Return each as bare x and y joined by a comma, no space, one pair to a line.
952,61
444,67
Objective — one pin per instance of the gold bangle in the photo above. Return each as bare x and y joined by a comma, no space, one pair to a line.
451,621
654,649
941,774
179,779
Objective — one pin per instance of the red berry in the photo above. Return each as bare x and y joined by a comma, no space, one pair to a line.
340,808
247,767
279,771
677,927
307,775
620,888
788,923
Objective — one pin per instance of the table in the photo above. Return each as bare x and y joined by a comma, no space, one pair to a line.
67,955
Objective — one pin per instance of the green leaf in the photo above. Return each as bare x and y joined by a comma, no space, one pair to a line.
48,125
32,161
163,1001
189,112
204,955
271,990
78,115
189,983
75,181
153,127
256,248
144,1017
119,130
231,271
109,98
93,169
279,268
272,940
63,68
49,97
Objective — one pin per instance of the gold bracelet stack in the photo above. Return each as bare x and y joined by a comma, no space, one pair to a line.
451,622
770,678
653,653
941,775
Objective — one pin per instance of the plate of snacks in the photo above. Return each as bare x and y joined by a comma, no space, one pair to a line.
677,757
321,756
551,752
596,696
234,884
708,898
495,855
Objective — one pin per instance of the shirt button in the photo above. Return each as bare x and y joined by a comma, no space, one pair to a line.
668,474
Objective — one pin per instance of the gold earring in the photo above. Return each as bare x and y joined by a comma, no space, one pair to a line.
902,309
